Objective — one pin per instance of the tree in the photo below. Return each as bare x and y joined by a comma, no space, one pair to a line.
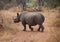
39,4
22,3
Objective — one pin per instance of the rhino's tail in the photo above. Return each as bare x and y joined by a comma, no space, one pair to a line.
43,18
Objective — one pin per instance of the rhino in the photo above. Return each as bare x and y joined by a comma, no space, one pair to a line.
30,18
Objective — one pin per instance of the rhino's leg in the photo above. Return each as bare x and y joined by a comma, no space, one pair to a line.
31,28
41,28
24,28
24,24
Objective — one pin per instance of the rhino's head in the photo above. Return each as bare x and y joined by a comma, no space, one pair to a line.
16,18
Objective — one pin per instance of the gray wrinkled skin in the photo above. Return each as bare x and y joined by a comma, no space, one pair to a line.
31,18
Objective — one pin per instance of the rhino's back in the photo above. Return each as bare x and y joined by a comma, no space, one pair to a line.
33,18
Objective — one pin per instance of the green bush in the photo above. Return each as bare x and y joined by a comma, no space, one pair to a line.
51,3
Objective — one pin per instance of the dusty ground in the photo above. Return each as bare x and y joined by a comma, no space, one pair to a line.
13,32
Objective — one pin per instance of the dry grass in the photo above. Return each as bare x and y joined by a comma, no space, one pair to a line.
55,37
11,31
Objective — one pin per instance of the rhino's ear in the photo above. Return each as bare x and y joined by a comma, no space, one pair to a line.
17,14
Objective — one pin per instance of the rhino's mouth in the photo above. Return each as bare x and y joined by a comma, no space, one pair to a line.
16,21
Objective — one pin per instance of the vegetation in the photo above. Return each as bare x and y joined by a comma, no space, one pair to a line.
32,3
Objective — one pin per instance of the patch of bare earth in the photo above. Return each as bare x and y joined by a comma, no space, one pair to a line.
13,32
